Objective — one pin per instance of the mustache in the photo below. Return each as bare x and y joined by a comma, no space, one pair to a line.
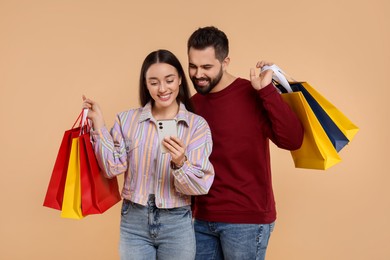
195,78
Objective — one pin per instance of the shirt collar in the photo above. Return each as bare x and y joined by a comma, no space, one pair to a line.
182,115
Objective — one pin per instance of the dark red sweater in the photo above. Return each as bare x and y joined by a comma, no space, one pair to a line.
242,121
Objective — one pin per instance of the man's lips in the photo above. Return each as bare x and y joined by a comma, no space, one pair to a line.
201,82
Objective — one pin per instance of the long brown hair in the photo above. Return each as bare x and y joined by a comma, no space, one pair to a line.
164,56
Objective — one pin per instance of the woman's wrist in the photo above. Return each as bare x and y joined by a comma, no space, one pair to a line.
176,166
98,124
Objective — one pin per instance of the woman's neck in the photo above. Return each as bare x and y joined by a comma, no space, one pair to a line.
170,112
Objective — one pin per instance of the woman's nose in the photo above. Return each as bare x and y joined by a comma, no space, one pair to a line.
161,87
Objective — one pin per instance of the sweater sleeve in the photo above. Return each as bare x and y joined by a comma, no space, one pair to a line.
286,131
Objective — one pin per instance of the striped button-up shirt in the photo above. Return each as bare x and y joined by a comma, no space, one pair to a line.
132,148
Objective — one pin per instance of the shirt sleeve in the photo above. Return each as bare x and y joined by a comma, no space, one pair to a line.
196,176
286,131
110,150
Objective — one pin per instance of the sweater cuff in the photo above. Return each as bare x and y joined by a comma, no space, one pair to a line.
267,90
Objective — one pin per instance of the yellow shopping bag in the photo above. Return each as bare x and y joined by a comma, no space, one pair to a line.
317,151
348,128
71,205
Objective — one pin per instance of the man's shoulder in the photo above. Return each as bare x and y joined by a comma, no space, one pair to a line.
243,82
195,96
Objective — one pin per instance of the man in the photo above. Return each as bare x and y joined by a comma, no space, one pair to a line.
235,219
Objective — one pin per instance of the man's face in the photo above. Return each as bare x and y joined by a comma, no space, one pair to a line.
204,69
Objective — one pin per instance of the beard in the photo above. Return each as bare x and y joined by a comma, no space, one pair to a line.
212,82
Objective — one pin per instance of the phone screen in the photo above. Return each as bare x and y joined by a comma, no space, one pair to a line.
166,128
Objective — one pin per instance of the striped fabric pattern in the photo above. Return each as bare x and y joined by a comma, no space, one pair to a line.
131,148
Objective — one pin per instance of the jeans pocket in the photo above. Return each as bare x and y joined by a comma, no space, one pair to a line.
180,211
125,207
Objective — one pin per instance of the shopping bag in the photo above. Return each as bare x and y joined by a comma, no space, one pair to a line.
71,205
316,151
344,124
55,190
77,186
98,193
336,136
330,117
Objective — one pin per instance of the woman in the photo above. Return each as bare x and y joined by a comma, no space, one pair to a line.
156,220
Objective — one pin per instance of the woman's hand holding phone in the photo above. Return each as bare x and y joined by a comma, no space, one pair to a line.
176,148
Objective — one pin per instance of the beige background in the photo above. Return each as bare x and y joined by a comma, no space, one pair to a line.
52,52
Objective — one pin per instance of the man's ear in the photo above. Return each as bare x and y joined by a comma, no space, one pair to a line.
225,63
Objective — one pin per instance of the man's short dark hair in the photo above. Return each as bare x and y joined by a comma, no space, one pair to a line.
210,36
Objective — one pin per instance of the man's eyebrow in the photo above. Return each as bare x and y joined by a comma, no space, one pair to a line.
203,65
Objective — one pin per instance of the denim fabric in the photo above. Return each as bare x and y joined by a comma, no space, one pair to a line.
147,232
217,241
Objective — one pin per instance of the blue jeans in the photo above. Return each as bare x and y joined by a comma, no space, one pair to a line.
216,241
147,232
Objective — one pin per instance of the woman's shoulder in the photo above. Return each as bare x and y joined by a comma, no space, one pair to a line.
130,113
197,119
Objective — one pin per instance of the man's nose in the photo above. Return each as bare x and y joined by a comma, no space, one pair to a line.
199,73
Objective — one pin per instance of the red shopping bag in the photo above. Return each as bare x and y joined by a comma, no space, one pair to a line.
55,191
98,193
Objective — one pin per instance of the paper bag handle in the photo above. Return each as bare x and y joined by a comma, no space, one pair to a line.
84,119
85,124
78,120
278,76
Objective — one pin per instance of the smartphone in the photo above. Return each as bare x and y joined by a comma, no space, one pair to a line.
166,128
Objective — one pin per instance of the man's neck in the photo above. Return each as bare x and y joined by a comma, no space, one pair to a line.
225,81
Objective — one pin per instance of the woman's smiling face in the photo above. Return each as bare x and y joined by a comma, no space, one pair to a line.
163,83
